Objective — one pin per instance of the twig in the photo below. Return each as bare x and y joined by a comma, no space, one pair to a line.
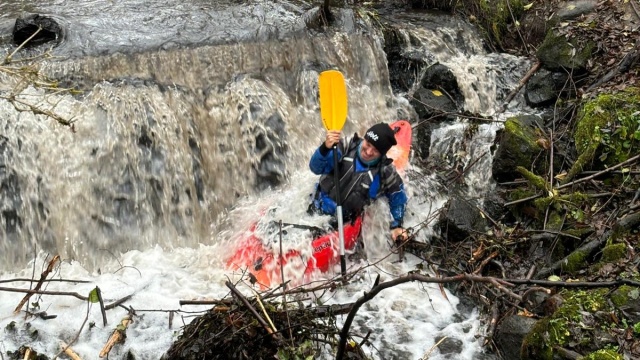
628,161
492,323
556,233
284,287
428,353
8,58
275,335
522,82
47,280
64,293
117,335
264,311
522,200
102,309
626,223
66,348
566,353
75,338
43,276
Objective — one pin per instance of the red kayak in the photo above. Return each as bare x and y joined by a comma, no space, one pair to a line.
265,262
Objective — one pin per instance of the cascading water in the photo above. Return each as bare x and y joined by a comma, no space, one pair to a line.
165,142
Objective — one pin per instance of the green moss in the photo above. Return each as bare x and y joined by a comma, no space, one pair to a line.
587,300
520,193
608,130
614,252
575,261
556,330
536,345
555,221
604,354
621,295
495,17
535,180
579,232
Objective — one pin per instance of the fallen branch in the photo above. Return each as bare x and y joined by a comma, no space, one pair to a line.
65,293
47,280
626,162
625,224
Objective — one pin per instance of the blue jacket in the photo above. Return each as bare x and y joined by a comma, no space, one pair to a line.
386,180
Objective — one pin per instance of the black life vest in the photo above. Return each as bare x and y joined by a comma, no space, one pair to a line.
354,186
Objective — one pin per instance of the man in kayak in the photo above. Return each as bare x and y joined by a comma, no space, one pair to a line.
365,174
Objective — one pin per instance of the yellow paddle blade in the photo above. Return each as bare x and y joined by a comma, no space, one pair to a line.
333,99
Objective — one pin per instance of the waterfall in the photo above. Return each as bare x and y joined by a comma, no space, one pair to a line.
178,141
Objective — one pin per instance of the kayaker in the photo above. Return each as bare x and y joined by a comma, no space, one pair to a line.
365,175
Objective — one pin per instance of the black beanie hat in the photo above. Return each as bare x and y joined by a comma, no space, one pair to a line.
381,136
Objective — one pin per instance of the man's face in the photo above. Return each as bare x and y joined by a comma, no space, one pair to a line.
368,152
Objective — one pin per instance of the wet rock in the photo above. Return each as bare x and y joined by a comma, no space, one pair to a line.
518,146
439,77
423,140
573,9
6,29
544,87
494,206
510,334
270,145
449,345
50,30
460,219
430,102
10,199
404,63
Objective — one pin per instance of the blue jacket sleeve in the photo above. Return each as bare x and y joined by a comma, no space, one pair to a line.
397,205
322,160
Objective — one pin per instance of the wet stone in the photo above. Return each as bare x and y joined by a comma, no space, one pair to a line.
573,9
449,345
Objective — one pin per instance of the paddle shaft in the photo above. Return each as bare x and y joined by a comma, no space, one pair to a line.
343,262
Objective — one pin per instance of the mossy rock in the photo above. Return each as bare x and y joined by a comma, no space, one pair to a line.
557,53
565,325
518,146
614,252
608,131
625,293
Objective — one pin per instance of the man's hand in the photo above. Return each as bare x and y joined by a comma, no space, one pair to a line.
399,234
333,137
